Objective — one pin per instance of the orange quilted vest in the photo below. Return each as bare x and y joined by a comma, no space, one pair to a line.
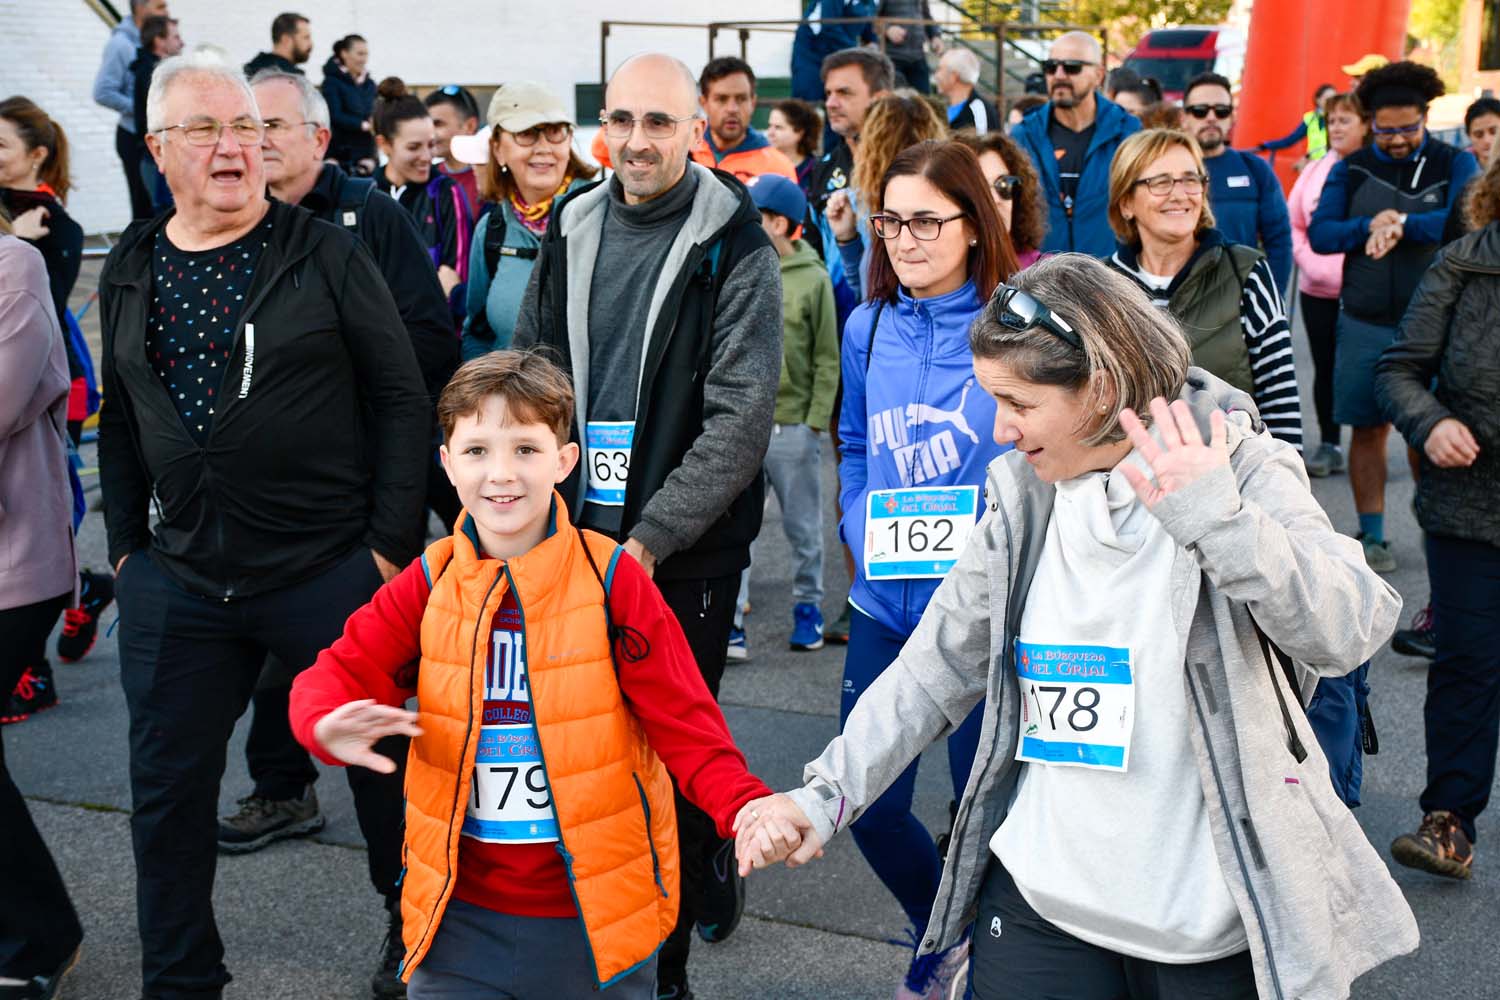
612,794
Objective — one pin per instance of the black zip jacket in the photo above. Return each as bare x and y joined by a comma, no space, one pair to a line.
319,444
388,233
1445,362
349,105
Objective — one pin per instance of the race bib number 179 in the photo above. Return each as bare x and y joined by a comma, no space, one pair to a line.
1077,705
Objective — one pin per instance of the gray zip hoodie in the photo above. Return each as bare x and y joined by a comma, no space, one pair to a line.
1319,905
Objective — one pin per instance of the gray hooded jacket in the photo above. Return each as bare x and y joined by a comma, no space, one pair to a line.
1318,903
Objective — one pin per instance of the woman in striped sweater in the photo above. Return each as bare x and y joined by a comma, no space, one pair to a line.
1222,294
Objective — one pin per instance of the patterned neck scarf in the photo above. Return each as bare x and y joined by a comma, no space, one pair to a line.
534,217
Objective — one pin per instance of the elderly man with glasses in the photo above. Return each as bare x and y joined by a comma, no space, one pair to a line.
263,400
661,294
1072,139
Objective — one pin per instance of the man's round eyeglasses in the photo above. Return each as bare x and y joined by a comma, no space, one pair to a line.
553,132
656,124
923,227
1162,184
276,128
205,131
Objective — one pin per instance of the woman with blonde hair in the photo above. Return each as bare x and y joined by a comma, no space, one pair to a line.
1222,294
893,123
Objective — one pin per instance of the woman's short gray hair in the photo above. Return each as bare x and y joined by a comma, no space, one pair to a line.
198,63
1132,351
310,99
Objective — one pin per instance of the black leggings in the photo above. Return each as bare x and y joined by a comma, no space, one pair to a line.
1018,955
1321,319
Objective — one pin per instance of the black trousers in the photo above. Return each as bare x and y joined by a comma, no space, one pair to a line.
705,609
38,926
918,76
130,148
1018,955
188,665
1321,319
1462,710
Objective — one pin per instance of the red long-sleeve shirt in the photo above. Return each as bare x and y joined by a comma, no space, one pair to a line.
664,689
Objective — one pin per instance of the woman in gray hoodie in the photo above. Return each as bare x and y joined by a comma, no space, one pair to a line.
39,931
1149,813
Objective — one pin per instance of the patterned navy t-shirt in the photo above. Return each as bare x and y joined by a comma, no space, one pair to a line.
196,300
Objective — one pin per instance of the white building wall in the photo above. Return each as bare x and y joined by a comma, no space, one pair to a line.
50,50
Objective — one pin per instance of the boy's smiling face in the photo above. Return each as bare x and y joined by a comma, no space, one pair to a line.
504,472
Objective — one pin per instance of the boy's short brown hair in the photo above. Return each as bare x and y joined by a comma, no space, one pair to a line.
534,389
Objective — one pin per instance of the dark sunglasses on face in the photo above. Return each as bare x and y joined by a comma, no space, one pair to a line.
1072,67
1201,111
1006,186
1018,310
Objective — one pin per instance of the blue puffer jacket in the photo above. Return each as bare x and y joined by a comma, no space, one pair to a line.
913,416
1084,228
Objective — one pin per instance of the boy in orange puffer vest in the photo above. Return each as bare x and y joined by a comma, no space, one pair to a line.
555,695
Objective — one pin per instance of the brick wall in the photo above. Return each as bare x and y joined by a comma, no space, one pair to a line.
50,51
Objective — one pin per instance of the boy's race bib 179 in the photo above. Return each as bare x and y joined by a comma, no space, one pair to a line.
608,455
1077,705
918,532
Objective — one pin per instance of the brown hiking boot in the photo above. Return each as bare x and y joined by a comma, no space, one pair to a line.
1439,846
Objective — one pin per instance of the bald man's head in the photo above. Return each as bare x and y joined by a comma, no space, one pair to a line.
1074,50
651,122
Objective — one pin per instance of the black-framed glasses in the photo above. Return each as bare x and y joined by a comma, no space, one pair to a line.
1202,111
656,124
1006,186
1018,310
277,128
205,131
552,132
1072,67
1411,129
923,227
1162,184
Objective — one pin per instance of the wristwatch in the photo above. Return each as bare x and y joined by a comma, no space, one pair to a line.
1401,218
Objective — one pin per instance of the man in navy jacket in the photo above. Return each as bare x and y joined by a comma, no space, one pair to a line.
1248,205
1072,140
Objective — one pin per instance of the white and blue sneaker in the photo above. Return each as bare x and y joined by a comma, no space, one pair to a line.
739,648
807,627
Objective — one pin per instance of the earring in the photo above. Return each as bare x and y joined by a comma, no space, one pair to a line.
973,243
504,169
1128,216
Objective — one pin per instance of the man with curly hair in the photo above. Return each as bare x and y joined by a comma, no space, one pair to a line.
1383,207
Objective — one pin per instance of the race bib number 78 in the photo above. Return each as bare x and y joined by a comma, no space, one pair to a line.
1077,705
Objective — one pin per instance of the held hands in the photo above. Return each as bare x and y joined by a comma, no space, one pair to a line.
841,216
349,732
773,829
1182,458
1451,445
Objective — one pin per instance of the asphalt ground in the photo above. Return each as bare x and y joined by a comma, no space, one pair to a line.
299,919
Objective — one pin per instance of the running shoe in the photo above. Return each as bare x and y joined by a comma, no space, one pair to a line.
262,821
807,627
386,984
1439,846
723,896
677,991
81,624
33,693
1327,460
932,976
838,632
1420,639
739,647
43,987
1377,554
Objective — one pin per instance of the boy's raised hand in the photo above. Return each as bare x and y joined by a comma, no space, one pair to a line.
773,829
349,731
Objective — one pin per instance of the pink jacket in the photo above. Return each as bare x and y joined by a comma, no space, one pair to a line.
1319,275
37,561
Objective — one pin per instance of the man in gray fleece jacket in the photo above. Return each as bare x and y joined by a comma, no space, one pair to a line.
661,295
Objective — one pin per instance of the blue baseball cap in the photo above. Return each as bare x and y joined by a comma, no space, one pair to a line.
775,193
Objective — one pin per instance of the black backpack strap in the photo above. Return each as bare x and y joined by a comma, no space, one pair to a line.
1274,655
353,197
874,325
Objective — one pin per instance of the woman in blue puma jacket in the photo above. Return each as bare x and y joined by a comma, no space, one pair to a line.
915,429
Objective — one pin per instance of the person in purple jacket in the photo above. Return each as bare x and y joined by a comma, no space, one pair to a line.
915,442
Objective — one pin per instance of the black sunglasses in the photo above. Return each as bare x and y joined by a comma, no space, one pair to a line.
1018,310
1200,111
1006,186
1070,66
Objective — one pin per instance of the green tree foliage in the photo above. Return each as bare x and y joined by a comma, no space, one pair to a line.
1434,26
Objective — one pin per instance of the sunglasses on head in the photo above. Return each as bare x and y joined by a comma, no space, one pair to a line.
1006,186
1201,111
1018,310
1072,67
471,107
